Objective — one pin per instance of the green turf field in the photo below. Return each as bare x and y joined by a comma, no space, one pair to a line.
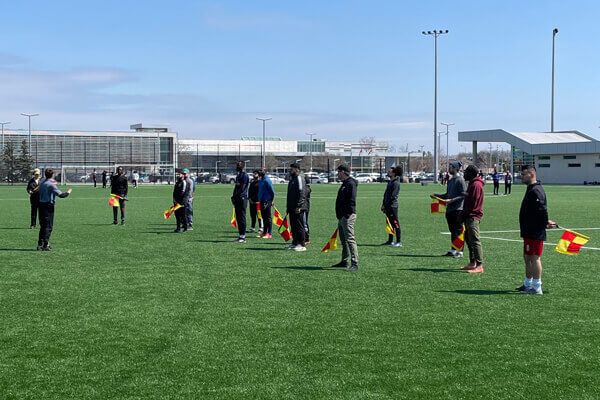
138,312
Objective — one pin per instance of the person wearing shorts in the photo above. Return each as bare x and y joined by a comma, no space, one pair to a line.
533,221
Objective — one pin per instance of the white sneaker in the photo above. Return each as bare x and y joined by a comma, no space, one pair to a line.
458,254
532,290
299,248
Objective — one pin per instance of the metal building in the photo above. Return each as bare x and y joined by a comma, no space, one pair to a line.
566,157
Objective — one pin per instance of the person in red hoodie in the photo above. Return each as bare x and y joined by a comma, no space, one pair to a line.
471,217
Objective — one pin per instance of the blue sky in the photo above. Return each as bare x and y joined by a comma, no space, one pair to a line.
341,69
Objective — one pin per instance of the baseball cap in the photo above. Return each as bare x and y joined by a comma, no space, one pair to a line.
186,171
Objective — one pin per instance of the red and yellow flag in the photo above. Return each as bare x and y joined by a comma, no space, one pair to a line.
233,220
113,201
169,211
571,242
285,231
459,242
258,213
277,218
332,243
388,226
438,206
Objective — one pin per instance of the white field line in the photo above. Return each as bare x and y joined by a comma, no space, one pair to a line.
518,231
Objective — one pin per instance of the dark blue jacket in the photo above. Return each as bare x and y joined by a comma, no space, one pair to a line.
265,189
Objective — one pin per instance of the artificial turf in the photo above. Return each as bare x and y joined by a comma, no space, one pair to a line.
136,311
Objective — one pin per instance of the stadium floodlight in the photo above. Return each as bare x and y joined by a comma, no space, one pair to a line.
3,123
29,116
447,149
310,148
435,34
554,32
264,140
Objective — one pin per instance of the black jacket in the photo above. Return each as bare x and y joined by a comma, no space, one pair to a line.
118,185
390,197
34,191
345,204
253,190
296,194
533,216
179,191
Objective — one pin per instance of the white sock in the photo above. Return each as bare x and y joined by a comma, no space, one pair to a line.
528,282
537,284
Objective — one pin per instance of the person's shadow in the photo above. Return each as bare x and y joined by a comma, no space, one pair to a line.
433,270
479,292
307,268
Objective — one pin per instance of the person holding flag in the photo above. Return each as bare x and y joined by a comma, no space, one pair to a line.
239,199
296,205
390,205
181,195
266,194
533,221
34,196
471,217
48,192
456,190
118,188
345,211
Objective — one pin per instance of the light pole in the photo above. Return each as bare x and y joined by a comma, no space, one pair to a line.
264,120
284,162
29,116
490,155
217,166
246,163
337,159
3,123
310,148
554,32
447,149
435,34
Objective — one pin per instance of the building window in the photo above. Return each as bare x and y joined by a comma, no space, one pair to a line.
543,157
544,166
569,157
575,165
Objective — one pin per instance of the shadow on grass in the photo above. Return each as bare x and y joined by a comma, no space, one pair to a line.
433,270
21,228
217,241
479,292
308,268
161,232
18,250
413,255
372,245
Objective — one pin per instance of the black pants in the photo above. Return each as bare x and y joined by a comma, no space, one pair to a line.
254,214
181,217
306,227
454,224
496,187
104,183
46,223
265,211
34,211
392,215
297,226
116,211
507,188
94,183
240,215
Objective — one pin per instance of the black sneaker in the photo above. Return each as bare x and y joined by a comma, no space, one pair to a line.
386,243
184,231
448,254
114,222
352,268
340,265
521,288
40,247
177,230
240,240
122,222
47,248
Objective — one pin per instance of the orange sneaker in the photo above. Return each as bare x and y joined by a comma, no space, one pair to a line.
477,270
469,266
267,236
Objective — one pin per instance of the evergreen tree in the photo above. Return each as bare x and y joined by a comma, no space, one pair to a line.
24,161
8,157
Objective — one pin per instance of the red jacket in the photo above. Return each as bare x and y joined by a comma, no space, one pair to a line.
472,207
